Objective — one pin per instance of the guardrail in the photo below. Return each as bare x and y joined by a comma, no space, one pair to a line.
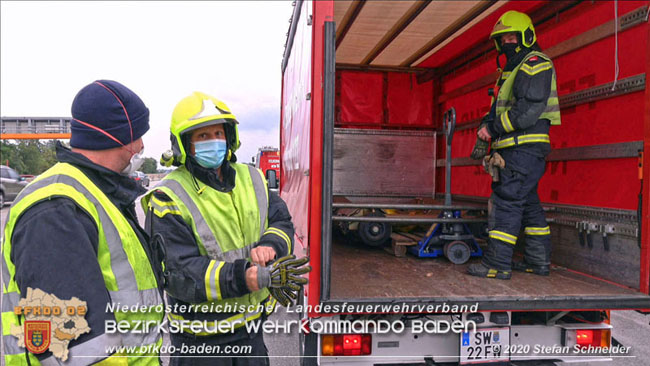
34,128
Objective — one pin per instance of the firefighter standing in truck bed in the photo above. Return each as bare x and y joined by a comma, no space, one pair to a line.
518,126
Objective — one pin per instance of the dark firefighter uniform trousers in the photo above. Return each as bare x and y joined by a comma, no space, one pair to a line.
513,206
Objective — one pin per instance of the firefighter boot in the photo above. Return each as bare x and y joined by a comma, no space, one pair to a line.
496,261
542,270
481,270
537,253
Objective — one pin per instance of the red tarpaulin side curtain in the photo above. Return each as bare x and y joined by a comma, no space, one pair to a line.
607,182
390,99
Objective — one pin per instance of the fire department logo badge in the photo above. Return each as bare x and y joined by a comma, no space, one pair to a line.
49,324
38,334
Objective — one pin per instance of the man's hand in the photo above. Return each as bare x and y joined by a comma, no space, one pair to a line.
262,255
251,278
483,134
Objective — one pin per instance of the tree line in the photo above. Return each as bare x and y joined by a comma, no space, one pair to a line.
34,157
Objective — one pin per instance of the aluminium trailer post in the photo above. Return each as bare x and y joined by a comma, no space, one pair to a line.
449,125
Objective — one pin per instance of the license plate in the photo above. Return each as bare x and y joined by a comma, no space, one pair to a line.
484,345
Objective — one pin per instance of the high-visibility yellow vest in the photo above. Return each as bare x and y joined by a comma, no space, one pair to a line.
128,276
505,100
225,227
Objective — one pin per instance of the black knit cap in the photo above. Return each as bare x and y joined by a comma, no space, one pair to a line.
105,115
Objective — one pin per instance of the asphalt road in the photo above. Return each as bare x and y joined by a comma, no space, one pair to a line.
630,329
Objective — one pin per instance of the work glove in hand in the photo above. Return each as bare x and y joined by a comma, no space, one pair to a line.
481,147
282,278
284,296
493,165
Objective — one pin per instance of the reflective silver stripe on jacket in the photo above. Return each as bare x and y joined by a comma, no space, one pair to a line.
122,270
9,300
88,352
128,293
11,345
150,297
260,193
506,103
203,230
5,273
136,339
552,108
119,298
207,238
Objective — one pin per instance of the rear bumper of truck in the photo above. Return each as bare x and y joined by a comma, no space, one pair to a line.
525,343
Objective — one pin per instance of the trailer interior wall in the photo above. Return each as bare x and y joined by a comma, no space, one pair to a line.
594,163
612,121
388,100
395,100
612,183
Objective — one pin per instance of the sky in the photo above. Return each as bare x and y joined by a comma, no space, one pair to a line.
163,51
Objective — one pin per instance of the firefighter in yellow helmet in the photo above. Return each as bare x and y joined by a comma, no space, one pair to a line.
222,235
525,107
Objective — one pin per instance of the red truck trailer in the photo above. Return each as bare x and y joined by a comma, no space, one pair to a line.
268,158
365,85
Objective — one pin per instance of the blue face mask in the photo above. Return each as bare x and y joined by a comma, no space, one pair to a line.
210,154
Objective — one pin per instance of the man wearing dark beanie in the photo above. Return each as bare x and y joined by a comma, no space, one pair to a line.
73,232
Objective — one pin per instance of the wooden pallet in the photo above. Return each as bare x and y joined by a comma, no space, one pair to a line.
399,242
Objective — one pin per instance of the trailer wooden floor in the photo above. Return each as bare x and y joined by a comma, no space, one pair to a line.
363,272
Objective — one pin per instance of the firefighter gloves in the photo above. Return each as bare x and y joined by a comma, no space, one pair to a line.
481,147
284,296
282,278
493,165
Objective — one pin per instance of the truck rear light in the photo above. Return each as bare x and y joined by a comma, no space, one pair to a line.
585,337
352,344
346,344
338,346
589,337
366,344
327,345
